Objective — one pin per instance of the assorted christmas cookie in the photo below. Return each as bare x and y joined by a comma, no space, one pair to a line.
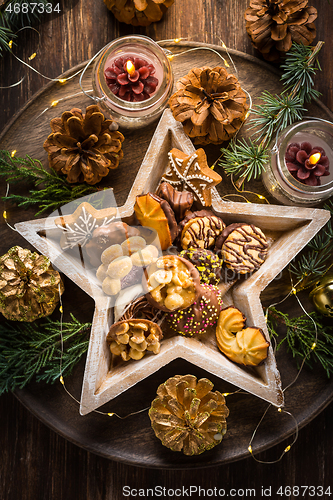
180,201
131,339
29,287
200,229
172,283
243,346
207,262
201,315
122,264
210,103
192,173
107,235
187,415
84,147
156,213
243,247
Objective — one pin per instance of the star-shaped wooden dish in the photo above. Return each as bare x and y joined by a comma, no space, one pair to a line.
288,230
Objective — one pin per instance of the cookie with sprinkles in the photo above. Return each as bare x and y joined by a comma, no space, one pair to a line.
202,314
207,262
192,173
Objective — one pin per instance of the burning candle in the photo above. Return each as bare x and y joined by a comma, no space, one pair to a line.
133,79
299,173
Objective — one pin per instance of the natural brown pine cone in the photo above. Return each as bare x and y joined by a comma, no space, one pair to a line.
138,12
83,146
210,104
274,24
186,416
29,286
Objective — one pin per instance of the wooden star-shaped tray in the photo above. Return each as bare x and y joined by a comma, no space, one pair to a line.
288,230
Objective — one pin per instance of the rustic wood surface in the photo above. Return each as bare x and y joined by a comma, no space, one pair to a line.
36,462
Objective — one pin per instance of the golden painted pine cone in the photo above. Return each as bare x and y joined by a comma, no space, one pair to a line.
210,104
273,25
29,286
187,416
83,146
138,12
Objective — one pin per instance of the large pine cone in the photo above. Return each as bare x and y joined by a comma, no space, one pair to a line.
83,146
186,416
29,286
138,12
210,103
274,24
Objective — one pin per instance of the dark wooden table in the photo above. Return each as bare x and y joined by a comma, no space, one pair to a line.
35,462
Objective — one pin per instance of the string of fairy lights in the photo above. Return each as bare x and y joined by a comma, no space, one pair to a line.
240,194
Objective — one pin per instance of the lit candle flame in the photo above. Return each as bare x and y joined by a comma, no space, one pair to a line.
130,68
314,158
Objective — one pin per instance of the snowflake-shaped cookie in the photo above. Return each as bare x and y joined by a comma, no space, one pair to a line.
192,173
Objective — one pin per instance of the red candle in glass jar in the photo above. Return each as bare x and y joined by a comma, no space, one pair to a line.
132,78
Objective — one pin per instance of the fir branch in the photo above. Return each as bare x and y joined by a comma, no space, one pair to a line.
34,349
300,338
300,66
244,159
52,190
275,114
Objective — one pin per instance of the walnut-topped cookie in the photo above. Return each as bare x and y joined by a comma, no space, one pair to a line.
243,247
200,229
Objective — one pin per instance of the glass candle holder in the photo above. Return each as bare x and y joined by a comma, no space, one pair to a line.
278,180
129,114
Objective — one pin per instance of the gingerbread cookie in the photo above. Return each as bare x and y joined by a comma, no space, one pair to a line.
192,173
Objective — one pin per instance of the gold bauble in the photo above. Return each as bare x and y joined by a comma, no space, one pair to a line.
322,296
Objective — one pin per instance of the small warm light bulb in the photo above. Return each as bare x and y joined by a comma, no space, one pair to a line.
170,57
62,80
10,44
54,103
287,449
177,40
314,158
62,380
61,309
130,68
32,56
225,394
13,153
313,346
110,414
279,410
250,449
4,214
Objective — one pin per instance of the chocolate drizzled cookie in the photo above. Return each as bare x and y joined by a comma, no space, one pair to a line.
243,247
180,201
201,229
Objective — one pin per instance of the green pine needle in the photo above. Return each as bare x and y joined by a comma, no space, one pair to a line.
244,159
300,67
48,190
34,349
300,338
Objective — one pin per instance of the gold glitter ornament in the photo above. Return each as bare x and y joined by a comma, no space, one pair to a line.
29,286
187,416
322,296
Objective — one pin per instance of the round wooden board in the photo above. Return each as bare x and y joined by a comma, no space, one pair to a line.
132,441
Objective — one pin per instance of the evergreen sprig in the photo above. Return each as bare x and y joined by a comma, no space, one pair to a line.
301,340
34,349
244,159
48,190
316,257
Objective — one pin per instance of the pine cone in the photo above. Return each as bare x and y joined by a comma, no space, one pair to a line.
29,286
210,103
138,12
84,147
186,416
274,24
